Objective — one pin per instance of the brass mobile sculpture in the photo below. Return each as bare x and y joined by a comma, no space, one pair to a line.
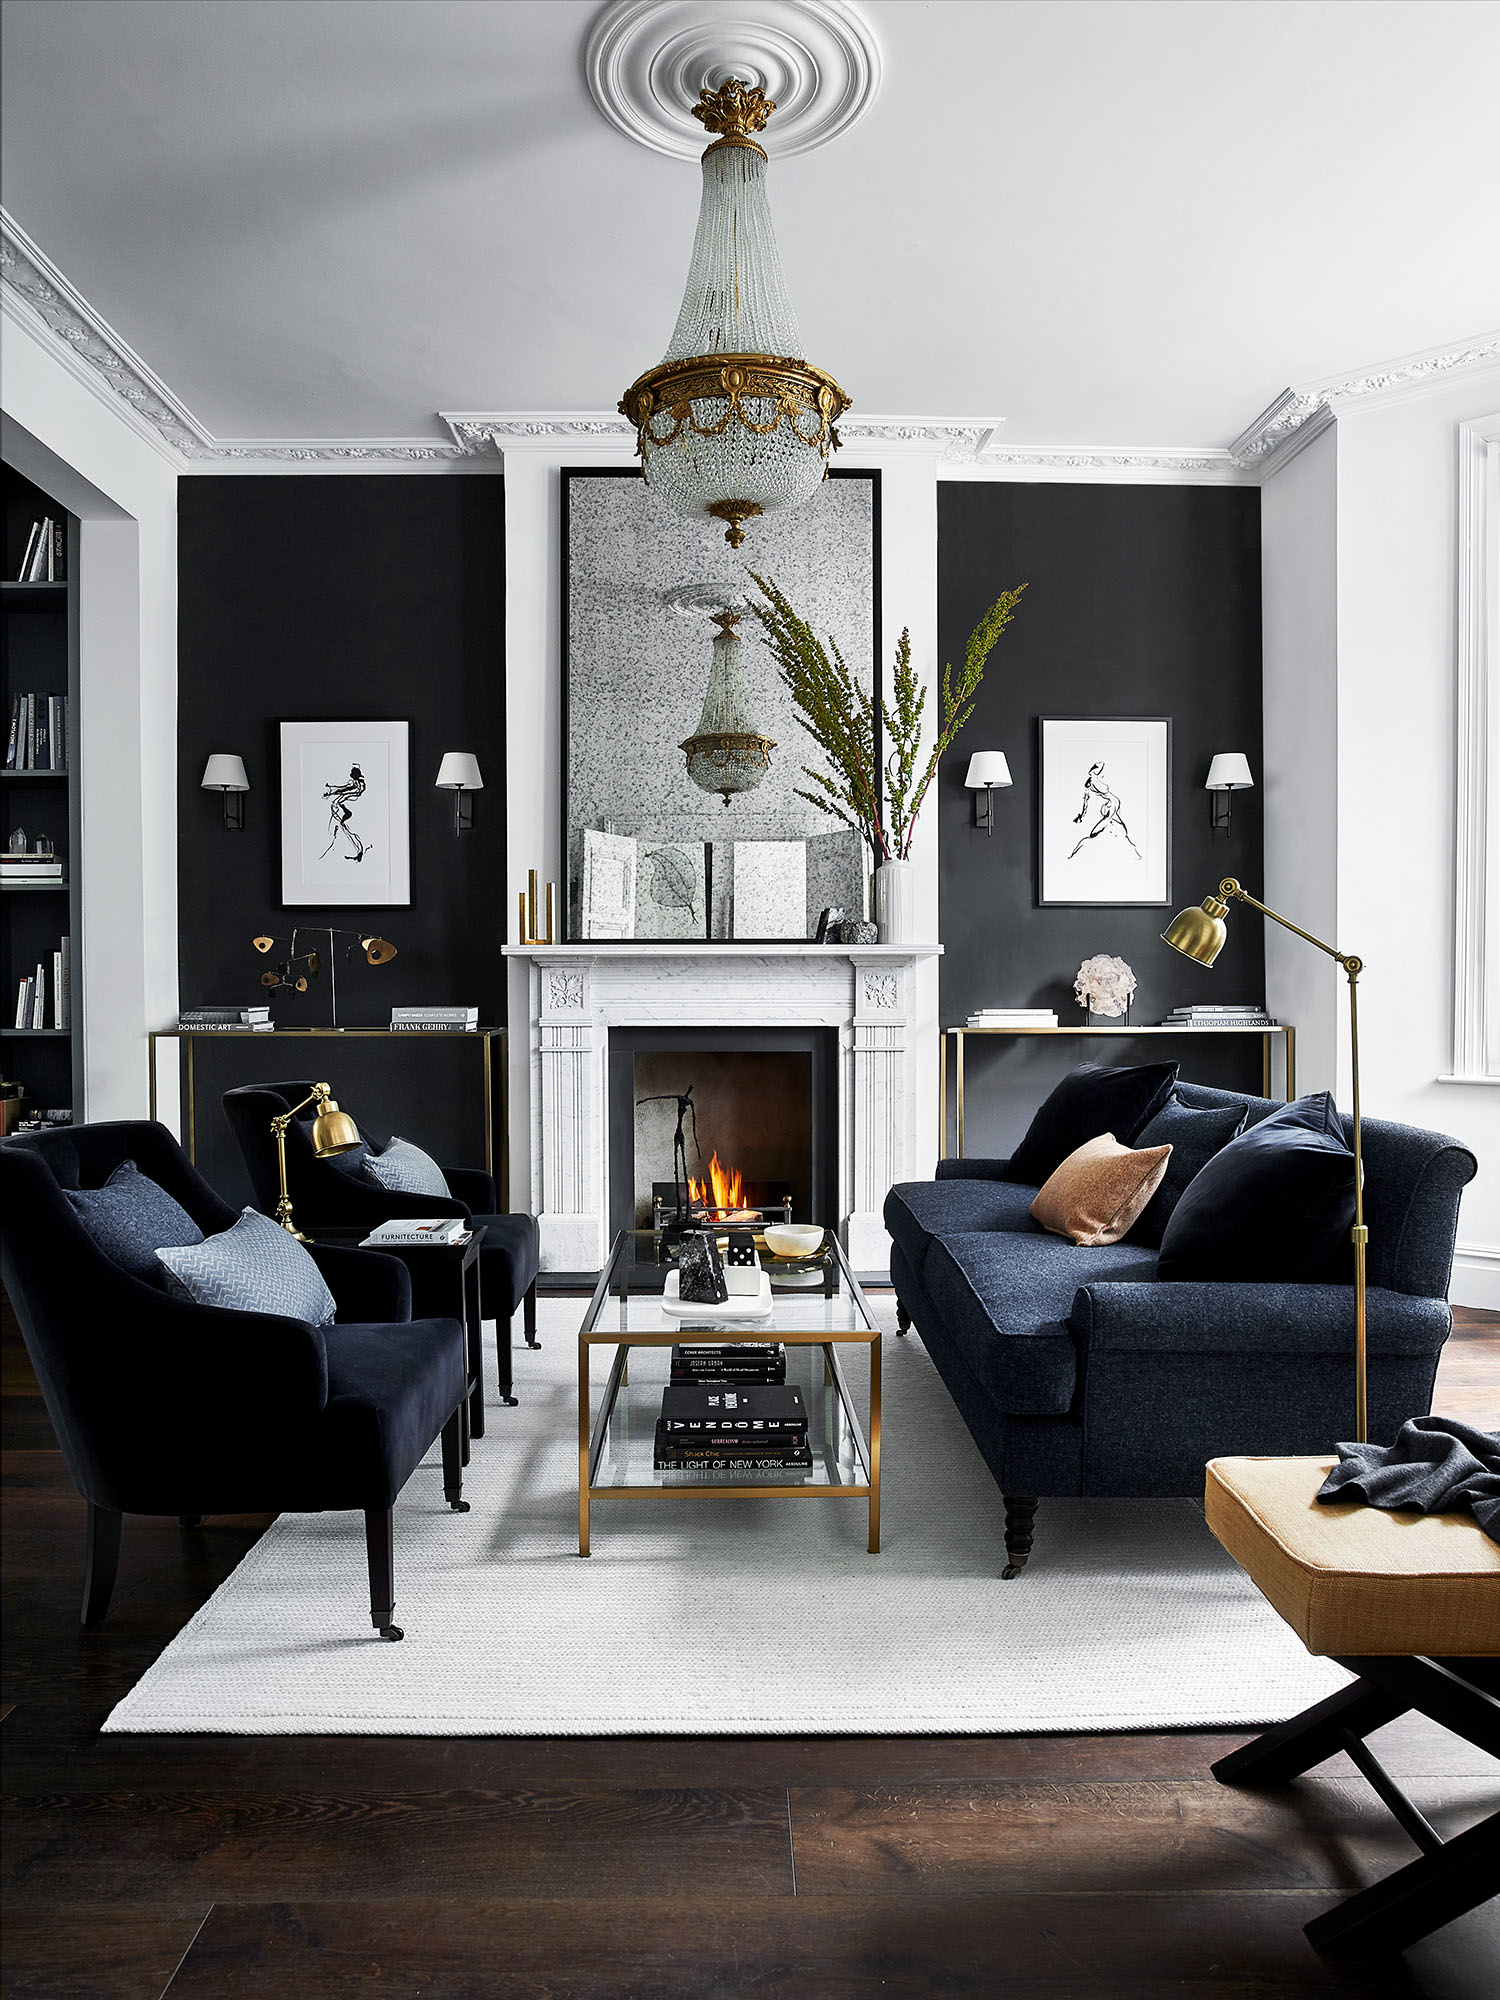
298,969
1199,934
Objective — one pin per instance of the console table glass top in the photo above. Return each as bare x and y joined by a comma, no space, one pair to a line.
616,1446
1277,1030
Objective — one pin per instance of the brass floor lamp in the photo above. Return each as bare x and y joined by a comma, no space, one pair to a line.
333,1131
1199,934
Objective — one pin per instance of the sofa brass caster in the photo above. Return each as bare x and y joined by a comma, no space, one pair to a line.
509,1402
1013,1569
391,1632
536,1344
458,1506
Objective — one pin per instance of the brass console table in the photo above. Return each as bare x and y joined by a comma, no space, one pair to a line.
1267,1035
485,1037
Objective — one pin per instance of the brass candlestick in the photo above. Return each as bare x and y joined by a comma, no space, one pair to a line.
527,913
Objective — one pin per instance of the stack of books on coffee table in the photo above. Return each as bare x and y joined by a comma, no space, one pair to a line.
729,1427
729,1361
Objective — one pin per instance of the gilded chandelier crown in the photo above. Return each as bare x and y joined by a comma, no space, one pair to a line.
735,109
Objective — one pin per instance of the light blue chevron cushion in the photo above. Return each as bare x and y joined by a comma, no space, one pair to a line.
253,1266
405,1169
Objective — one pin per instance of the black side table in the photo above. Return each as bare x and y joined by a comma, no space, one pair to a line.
445,1285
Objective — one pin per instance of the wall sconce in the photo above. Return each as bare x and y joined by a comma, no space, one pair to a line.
1228,773
989,769
459,773
226,774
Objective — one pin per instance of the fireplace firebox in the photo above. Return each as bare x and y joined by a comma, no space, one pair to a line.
760,1123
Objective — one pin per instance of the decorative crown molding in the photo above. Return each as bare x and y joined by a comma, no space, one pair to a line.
487,433
41,298
1299,415
646,61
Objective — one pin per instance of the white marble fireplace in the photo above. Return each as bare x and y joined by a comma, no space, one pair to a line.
578,992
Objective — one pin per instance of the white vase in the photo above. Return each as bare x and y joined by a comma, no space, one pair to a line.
895,910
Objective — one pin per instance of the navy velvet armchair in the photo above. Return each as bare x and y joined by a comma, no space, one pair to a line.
164,1407
1079,1371
326,1195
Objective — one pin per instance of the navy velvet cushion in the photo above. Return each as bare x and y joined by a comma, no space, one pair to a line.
1274,1206
1194,1136
131,1218
254,1266
405,1169
1090,1101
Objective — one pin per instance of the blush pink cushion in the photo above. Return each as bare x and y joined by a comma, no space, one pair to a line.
1099,1190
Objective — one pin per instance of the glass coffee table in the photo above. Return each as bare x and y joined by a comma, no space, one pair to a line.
616,1452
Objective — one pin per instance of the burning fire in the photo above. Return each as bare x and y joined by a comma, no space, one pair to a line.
728,1189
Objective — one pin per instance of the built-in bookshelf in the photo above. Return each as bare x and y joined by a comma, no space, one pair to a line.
39,792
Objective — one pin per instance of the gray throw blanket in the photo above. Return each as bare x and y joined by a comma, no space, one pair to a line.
1436,1466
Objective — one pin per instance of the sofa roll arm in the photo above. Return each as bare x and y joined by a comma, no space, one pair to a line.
366,1284
1162,1318
970,1169
474,1188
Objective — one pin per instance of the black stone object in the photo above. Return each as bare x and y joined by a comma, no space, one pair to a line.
700,1273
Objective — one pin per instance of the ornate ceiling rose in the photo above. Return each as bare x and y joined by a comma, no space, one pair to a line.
647,61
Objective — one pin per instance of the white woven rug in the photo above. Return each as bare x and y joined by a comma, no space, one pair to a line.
733,1617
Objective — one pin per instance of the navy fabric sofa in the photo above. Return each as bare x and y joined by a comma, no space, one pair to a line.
1078,1371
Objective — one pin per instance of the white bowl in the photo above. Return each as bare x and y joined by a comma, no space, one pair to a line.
794,1239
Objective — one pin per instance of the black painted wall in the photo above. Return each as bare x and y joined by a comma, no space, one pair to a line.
329,597
1143,600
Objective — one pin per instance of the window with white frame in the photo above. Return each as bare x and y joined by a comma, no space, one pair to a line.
1476,983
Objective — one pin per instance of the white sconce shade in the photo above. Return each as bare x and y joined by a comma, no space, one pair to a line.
987,767
223,773
459,772
1229,771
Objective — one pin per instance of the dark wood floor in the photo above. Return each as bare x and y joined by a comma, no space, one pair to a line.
278,1868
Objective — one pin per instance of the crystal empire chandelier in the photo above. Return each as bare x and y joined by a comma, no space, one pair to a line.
726,753
730,424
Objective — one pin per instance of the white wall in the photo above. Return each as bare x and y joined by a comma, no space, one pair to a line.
1397,608
65,435
1299,512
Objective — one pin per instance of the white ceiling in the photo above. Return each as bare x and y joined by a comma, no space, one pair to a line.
1120,224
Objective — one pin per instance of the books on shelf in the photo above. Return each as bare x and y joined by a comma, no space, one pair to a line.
434,1020
403,1229
31,868
1013,1017
225,1020
729,1361
1219,1017
62,984
795,1459
45,559
725,1413
37,739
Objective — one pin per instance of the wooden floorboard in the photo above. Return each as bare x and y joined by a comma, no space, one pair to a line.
276,1868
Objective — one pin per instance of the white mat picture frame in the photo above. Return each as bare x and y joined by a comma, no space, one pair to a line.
770,889
346,814
608,885
1104,810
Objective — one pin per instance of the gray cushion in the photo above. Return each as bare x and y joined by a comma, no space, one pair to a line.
131,1218
253,1266
405,1169
917,1211
1005,1305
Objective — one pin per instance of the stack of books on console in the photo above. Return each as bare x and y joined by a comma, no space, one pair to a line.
434,1020
1219,1017
728,1427
729,1361
226,1020
445,1230
1013,1017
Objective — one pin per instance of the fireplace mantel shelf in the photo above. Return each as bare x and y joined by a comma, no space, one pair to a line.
720,948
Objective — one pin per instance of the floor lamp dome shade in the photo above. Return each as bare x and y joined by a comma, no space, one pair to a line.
732,424
1199,933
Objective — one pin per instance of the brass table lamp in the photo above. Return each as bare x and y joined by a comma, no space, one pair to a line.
333,1131
1199,935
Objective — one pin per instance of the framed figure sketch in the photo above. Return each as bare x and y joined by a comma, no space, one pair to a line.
1104,809
345,813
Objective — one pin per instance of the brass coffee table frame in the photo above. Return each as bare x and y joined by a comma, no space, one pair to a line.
592,1439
